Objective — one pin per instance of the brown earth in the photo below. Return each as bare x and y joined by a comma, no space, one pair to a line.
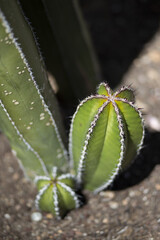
130,209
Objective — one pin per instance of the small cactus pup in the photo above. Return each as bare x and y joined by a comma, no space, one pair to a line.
56,193
106,133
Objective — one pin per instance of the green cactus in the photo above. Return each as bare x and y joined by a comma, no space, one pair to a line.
56,194
106,130
24,114
106,133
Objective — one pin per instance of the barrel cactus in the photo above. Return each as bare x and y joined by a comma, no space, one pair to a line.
105,135
56,193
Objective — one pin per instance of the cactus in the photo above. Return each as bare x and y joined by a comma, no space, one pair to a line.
24,114
56,194
106,132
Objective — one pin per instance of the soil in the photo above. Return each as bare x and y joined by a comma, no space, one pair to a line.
126,36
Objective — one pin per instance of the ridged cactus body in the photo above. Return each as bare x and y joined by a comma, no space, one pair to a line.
106,133
56,194
25,116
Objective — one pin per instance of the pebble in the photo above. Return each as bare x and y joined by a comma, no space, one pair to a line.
113,205
7,216
49,216
105,220
107,194
15,176
38,238
157,186
125,201
146,191
17,207
134,193
153,122
36,216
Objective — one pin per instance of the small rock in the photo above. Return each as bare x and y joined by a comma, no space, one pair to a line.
49,216
85,234
146,190
105,220
144,198
7,216
36,216
108,194
17,207
15,176
153,122
134,193
113,205
157,186
38,238
125,201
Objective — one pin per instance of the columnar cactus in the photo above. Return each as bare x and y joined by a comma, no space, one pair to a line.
57,193
106,132
25,117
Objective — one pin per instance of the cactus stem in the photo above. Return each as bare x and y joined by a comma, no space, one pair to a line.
23,139
46,109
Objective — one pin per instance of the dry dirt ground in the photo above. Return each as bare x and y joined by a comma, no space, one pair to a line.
130,209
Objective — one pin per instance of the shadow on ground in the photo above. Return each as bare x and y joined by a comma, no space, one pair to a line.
119,31
143,165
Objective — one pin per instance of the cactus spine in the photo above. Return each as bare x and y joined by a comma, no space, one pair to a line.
106,133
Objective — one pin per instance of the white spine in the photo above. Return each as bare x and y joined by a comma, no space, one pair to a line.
67,175
39,178
54,172
55,202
